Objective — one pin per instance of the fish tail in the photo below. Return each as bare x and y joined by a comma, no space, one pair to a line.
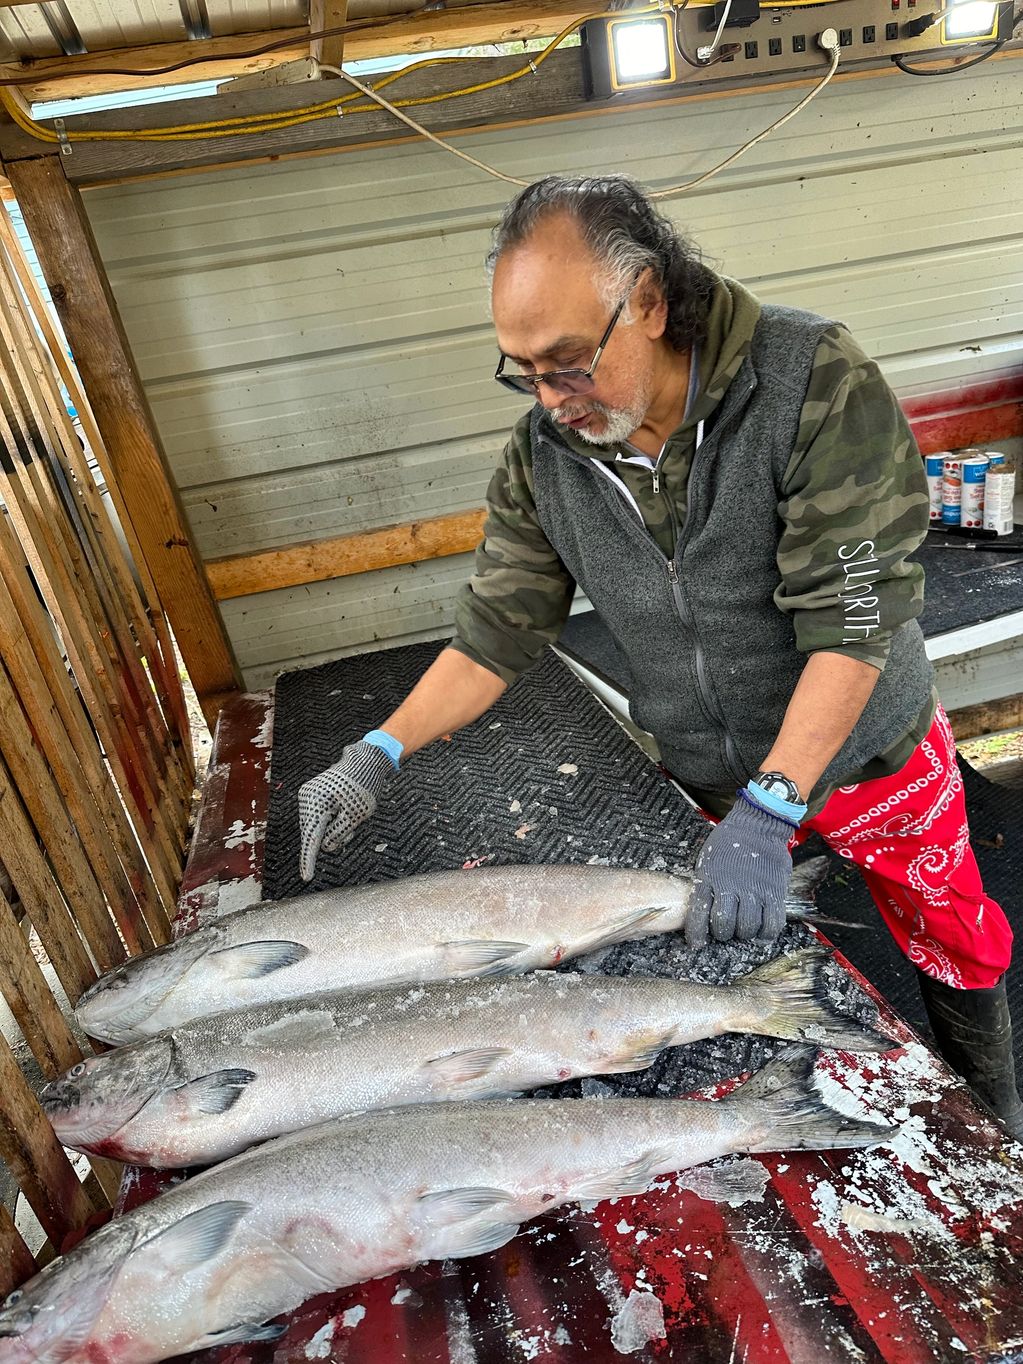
790,998
806,879
785,1112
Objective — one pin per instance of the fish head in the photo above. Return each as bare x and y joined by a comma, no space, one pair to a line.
91,1102
117,1006
50,1318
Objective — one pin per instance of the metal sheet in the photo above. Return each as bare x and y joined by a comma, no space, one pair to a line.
314,338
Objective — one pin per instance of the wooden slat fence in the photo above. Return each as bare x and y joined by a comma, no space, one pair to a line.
96,769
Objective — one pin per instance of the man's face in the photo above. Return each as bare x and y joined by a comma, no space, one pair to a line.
549,314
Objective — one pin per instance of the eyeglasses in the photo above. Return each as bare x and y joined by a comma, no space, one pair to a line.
562,380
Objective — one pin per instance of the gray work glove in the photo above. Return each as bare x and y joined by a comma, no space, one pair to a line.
742,878
331,806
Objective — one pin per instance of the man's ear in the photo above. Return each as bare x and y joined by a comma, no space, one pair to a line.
652,308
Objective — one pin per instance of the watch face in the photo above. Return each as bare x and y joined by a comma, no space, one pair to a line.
779,785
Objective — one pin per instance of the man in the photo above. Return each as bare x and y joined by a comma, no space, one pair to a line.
737,492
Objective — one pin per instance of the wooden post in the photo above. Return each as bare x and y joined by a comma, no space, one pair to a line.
16,1262
327,14
33,1154
70,262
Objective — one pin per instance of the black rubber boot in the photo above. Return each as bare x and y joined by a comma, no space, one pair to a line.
973,1033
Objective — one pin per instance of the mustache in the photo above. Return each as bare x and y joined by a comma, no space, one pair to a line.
570,412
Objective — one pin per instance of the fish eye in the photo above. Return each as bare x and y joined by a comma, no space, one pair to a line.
78,1070
14,1298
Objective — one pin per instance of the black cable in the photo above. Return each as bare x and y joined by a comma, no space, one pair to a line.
953,67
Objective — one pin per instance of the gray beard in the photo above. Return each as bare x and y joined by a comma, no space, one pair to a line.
619,423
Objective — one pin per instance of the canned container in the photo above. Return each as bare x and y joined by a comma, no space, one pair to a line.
972,499
934,466
995,457
999,492
951,491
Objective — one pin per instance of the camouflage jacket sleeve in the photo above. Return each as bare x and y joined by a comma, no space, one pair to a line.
519,595
853,507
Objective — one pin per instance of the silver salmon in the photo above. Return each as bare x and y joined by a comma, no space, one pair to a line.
215,1086
439,926
363,1196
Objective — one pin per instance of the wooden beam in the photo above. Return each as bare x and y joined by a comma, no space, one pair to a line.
70,262
241,575
554,94
432,31
326,14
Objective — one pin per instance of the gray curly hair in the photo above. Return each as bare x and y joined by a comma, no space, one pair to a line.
626,234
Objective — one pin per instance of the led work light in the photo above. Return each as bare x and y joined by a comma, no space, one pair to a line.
627,54
970,19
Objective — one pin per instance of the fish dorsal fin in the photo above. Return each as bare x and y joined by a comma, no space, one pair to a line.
460,1066
251,960
623,1182
218,1091
198,1237
481,957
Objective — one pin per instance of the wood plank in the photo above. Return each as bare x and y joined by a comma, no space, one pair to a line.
69,742
156,642
315,560
40,894
55,442
327,14
555,93
987,717
30,1000
43,802
36,1158
70,262
16,1262
217,58
70,598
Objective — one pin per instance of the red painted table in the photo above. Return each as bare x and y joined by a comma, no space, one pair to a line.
907,1253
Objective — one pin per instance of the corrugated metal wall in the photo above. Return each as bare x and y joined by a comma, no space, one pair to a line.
314,336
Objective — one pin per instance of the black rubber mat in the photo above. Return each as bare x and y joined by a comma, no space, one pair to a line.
968,585
498,779
547,775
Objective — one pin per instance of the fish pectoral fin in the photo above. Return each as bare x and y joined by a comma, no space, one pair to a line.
218,1091
622,1182
242,1331
444,1207
251,960
460,1066
481,957
196,1238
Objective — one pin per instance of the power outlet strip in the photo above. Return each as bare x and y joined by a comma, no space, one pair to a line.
787,40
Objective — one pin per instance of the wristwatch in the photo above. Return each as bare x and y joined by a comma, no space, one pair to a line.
777,784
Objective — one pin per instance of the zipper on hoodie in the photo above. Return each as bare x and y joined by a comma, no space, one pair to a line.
703,686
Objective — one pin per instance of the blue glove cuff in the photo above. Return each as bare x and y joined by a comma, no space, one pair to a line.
379,738
774,805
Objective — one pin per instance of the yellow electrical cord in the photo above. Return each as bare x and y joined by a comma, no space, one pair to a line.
258,123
